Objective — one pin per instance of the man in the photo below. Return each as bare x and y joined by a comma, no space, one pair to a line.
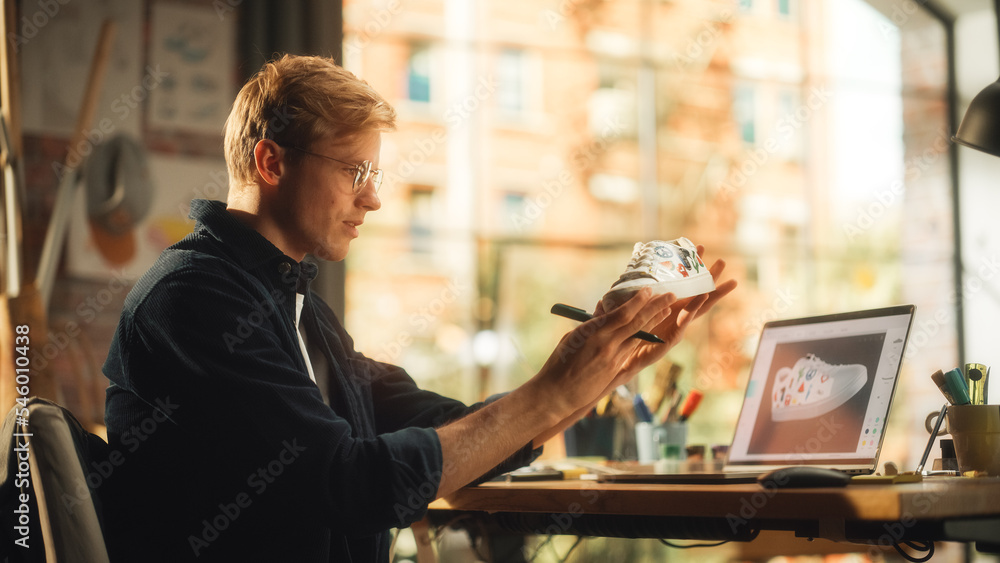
249,428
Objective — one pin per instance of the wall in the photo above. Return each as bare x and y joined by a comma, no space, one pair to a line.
976,67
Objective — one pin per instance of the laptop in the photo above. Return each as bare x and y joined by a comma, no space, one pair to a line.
819,394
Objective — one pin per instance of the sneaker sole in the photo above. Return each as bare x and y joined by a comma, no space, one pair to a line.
681,288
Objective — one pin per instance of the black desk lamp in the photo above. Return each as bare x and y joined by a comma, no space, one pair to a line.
980,128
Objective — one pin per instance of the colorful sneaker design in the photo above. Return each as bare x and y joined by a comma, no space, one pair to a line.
813,387
666,267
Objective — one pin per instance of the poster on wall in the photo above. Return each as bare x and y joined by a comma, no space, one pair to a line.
56,43
97,253
194,47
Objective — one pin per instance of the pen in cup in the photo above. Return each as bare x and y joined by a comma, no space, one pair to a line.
955,383
938,378
675,404
977,379
642,412
578,314
690,404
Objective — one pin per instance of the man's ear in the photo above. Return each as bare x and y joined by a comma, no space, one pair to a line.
270,161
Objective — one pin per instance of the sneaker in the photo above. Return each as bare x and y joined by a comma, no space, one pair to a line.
813,388
665,267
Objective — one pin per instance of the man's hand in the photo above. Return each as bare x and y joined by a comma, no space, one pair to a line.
632,354
588,358
671,330
587,364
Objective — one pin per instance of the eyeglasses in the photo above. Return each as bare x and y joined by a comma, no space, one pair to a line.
362,172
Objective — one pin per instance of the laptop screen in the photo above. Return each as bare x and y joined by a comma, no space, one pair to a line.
820,390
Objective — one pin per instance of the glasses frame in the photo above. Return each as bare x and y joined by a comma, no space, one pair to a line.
363,172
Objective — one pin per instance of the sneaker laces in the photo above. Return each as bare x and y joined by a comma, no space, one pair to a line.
641,265
814,361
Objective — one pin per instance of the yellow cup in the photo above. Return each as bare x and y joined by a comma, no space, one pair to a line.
976,432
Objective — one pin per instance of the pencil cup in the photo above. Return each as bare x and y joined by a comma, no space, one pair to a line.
645,447
975,429
671,440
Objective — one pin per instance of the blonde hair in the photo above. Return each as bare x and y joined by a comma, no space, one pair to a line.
294,101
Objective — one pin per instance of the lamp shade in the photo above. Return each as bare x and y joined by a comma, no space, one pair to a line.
980,128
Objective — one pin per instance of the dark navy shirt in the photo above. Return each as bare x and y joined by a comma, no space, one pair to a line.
222,447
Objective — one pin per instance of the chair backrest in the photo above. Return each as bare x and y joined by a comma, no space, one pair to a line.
57,449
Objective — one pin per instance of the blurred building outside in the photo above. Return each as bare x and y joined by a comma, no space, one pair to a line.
537,142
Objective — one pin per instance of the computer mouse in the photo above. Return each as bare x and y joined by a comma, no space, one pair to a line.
801,476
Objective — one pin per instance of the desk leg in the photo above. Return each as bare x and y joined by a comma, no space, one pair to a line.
425,547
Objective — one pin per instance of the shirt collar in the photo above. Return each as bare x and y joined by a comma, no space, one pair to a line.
250,248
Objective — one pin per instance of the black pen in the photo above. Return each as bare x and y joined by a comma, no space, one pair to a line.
583,316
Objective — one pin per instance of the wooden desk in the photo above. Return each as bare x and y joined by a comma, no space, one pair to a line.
946,509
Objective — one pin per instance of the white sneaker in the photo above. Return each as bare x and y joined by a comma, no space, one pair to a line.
813,388
665,267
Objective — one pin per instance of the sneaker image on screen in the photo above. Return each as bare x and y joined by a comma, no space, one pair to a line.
813,388
666,267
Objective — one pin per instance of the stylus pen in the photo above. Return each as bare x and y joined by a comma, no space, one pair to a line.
583,316
930,442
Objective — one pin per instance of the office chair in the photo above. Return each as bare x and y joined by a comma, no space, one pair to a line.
62,510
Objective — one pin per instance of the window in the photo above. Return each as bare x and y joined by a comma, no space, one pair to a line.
517,215
785,8
745,113
615,99
511,80
788,127
812,167
418,74
421,218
